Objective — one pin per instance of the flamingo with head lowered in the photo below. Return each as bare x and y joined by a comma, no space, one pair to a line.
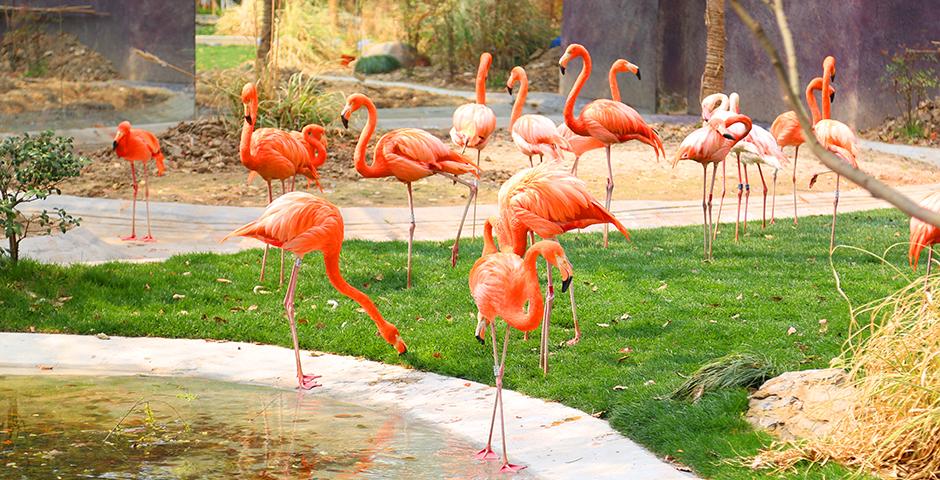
608,121
409,154
532,134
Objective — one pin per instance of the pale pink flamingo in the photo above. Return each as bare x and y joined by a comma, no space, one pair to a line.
532,134
608,121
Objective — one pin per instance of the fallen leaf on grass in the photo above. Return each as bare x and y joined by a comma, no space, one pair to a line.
302,321
823,325
626,350
618,388
662,286
186,274
625,316
102,336
223,280
252,308
182,312
649,382
259,289
333,304
599,414
178,296
603,325
791,331
437,355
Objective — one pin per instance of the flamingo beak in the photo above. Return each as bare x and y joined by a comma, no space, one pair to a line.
480,339
345,121
248,119
728,136
114,145
509,89
832,97
832,77
562,68
566,283
638,77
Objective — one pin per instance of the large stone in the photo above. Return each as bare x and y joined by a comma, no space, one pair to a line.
800,405
405,54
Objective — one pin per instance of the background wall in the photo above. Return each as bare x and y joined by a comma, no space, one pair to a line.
165,28
666,38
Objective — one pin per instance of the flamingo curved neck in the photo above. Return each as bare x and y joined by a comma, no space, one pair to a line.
489,247
811,101
614,87
481,81
826,103
244,145
576,124
534,293
320,149
333,274
520,100
733,103
362,167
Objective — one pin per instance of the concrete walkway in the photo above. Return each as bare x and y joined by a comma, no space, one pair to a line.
553,440
183,228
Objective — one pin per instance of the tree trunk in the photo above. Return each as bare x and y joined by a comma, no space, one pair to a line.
264,46
713,78
14,249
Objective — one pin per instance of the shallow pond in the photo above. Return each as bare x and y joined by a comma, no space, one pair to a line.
182,428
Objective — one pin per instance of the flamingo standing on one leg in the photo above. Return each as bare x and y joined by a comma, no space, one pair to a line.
532,134
606,120
708,145
786,130
136,145
549,201
475,122
501,285
409,154
302,223
271,153
924,235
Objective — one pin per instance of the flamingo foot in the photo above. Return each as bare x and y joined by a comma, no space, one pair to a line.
574,341
511,468
486,453
129,238
148,239
308,382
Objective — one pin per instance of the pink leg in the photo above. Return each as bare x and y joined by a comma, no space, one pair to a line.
773,199
574,168
747,197
574,317
610,191
473,226
487,453
796,156
530,162
472,185
705,210
264,257
835,211
305,382
549,302
133,235
721,203
411,233
149,237
507,467
711,192
737,220
929,262
281,276
762,181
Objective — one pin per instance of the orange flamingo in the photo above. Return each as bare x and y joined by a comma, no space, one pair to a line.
548,201
474,123
136,145
836,137
501,285
708,145
579,145
272,154
923,234
315,143
786,130
608,121
532,134
302,223
409,154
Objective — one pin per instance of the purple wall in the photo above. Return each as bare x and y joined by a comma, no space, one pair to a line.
666,38
165,28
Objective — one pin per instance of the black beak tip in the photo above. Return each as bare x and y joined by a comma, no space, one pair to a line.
480,339
638,77
832,97
728,136
832,77
114,145
345,121
248,119
562,68
566,283
509,89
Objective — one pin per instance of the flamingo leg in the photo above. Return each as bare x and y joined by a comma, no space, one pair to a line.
281,277
705,210
796,155
711,192
764,221
574,167
411,231
264,257
507,467
574,317
610,191
721,203
487,453
472,185
549,302
747,198
737,220
929,262
530,162
305,382
149,237
541,158
133,235
773,198
835,211
473,226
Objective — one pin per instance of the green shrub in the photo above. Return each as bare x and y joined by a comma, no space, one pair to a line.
910,76
31,168
300,100
377,64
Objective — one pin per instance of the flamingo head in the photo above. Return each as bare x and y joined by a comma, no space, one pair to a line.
712,103
123,130
353,103
622,65
250,102
829,66
737,133
573,50
314,131
554,254
517,74
390,333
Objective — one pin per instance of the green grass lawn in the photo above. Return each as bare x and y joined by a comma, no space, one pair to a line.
216,57
205,29
654,296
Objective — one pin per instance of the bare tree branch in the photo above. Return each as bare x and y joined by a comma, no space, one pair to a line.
834,163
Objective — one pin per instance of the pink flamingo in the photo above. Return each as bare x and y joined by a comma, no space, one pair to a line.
409,154
136,145
708,145
474,123
502,284
607,121
302,223
532,134
923,235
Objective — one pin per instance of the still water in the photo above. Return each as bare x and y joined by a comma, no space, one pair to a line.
181,428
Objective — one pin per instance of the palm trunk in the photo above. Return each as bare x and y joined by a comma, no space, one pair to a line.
264,46
713,78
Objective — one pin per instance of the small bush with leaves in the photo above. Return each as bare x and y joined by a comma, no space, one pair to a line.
31,168
910,75
377,64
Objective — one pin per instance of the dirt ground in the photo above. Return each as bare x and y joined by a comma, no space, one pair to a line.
927,116
25,95
203,167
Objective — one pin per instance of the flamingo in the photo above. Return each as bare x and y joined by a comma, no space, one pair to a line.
608,121
923,234
532,134
302,223
579,145
136,145
711,145
474,123
409,154
315,143
547,200
501,285
786,130
272,154
834,136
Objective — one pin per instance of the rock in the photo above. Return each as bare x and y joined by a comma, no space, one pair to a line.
405,54
799,405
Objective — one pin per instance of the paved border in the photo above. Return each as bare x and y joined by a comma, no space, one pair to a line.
555,441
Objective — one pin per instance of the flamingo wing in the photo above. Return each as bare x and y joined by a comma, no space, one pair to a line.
473,125
279,152
536,135
298,222
498,286
615,122
838,138
786,130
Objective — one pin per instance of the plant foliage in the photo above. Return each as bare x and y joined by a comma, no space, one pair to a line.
377,64
910,76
